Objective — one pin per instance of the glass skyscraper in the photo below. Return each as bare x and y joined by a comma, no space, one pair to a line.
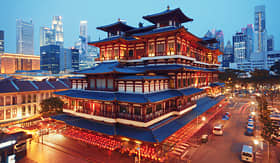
50,58
260,28
57,26
47,36
239,47
24,37
2,42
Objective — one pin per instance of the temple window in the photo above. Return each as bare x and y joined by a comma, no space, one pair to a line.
110,83
137,110
149,110
158,107
130,53
170,48
101,83
160,48
92,83
8,100
123,109
151,50
1,100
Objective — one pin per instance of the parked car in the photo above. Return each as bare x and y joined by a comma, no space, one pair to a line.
250,125
228,114
249,132
250,121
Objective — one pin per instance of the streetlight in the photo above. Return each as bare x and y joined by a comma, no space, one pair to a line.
253,113
256,142
203,119
253,103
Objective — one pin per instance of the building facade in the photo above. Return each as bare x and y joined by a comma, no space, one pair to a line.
57,27
21,99
2,45
24,37
228,56
50,58
239,47
270,43
10,63
146,74
47,36
260,29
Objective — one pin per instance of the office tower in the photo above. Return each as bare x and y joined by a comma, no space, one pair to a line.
239,47
2,42
57,26
75,56
50,58
270,43
228,55
249,32
219,35
24,37
47,36
260,29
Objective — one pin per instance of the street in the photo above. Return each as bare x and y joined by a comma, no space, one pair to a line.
227,148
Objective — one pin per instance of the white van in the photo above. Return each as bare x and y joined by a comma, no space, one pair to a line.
247,153
218,129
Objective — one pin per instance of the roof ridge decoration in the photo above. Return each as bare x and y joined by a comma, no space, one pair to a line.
34,85
47,81
63,83
14,84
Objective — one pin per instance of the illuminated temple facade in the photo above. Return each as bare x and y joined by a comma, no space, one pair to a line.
145,74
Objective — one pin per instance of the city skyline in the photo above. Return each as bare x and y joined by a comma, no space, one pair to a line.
214,20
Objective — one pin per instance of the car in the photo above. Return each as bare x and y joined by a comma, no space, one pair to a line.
225,117
228,114
250,125
249,132
251,117
247,153
250,120
218,129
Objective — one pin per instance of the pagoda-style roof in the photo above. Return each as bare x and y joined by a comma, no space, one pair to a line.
175,14
114,38
110,67
158,30
141,29
118,26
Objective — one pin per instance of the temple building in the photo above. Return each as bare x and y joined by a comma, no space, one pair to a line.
145,75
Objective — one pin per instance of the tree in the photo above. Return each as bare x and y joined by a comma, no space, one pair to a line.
269,129
276,67
52,104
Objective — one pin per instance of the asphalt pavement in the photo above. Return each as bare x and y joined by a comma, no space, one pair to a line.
227,148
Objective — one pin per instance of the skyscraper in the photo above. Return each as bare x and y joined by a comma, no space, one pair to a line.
47,36
249,32
50,58
239,47
260,29
2,42
228,55
219,35
57,26
83,38
24,37
270,43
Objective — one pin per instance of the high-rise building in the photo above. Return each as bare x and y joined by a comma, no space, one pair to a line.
249,32
239,47
260,29
2,49
270,43
24,37
219,35
50,58
75,59
228,55
57,26
47,36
